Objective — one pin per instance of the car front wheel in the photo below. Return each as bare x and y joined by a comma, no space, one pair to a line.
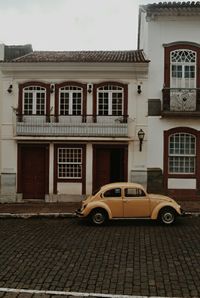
98,217
167,216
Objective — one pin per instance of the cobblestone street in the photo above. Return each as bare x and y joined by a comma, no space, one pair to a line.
126,257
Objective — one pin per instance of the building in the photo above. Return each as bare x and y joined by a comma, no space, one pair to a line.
70,123
169,35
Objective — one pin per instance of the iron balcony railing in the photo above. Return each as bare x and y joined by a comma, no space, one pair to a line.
70,125
181,100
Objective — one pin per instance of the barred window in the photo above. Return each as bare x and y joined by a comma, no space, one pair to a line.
110,100
70,100
69,163
34,100
182,153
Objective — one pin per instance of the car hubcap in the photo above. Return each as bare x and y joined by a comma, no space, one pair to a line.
98,218
168,217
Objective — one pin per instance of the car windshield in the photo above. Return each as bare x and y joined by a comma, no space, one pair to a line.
96,191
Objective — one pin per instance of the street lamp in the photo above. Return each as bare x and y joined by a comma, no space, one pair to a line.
141,135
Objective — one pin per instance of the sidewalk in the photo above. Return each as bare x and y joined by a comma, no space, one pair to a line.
61,209
31,209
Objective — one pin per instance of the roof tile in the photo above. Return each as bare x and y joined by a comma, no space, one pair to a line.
84,56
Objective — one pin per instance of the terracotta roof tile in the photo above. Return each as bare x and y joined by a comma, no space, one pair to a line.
83,56
172,8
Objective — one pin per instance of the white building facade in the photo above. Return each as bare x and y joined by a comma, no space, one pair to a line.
70,123
169,35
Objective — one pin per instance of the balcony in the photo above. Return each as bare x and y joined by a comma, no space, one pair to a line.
181,102
71,126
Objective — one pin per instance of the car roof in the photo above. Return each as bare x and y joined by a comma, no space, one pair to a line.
121,184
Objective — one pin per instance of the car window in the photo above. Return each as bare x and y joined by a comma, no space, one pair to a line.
114,192
134,192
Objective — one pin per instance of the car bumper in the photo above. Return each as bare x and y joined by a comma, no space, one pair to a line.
79,213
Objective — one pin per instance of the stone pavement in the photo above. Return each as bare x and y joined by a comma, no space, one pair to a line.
132,257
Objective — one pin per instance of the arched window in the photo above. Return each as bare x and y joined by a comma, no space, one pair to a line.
110,100
183,68
70,100
34,100
181,153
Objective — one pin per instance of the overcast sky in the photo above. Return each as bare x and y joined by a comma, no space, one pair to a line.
70,24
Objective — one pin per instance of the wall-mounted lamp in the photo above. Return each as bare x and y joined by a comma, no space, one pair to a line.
139,90
141,135
52,88
10,88
89,88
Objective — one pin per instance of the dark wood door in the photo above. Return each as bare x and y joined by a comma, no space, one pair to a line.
102,165
33,172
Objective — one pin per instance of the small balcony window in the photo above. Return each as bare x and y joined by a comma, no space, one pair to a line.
110,100
70,100
34,100
181,92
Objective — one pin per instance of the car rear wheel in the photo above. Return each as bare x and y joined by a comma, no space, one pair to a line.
167,216
98,217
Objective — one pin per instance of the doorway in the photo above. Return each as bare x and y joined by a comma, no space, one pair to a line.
32,170
109,164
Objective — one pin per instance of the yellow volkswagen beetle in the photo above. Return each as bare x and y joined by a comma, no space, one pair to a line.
128,200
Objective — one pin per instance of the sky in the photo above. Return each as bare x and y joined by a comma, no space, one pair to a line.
65,25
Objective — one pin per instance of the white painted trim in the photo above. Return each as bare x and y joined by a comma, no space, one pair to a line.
75,294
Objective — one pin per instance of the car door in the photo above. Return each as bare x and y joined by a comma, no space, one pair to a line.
113,198
136,203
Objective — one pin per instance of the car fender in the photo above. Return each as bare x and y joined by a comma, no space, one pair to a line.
94,205
157,209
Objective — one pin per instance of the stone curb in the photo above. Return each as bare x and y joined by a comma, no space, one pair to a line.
31,215
62,215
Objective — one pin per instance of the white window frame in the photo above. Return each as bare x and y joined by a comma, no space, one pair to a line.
182,82
34,90
71,90
76,162
108,89
182,155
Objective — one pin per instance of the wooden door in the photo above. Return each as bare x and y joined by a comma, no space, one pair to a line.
102,168
33,172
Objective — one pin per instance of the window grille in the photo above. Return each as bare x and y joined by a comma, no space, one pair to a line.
110,100
34,100
69,163
182,153
70,100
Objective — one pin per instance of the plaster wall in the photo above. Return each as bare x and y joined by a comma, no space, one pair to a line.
137,111
156,128
161,32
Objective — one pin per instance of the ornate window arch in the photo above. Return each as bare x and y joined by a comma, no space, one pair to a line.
182,153
110,99
34,98
70,98
181,77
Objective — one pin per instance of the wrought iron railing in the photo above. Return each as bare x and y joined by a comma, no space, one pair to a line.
61,125
181,100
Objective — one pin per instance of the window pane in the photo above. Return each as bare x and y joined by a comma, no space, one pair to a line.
103,103
117,105
115,192
182,153
76,104
70,163
64,103
28,103
40,103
